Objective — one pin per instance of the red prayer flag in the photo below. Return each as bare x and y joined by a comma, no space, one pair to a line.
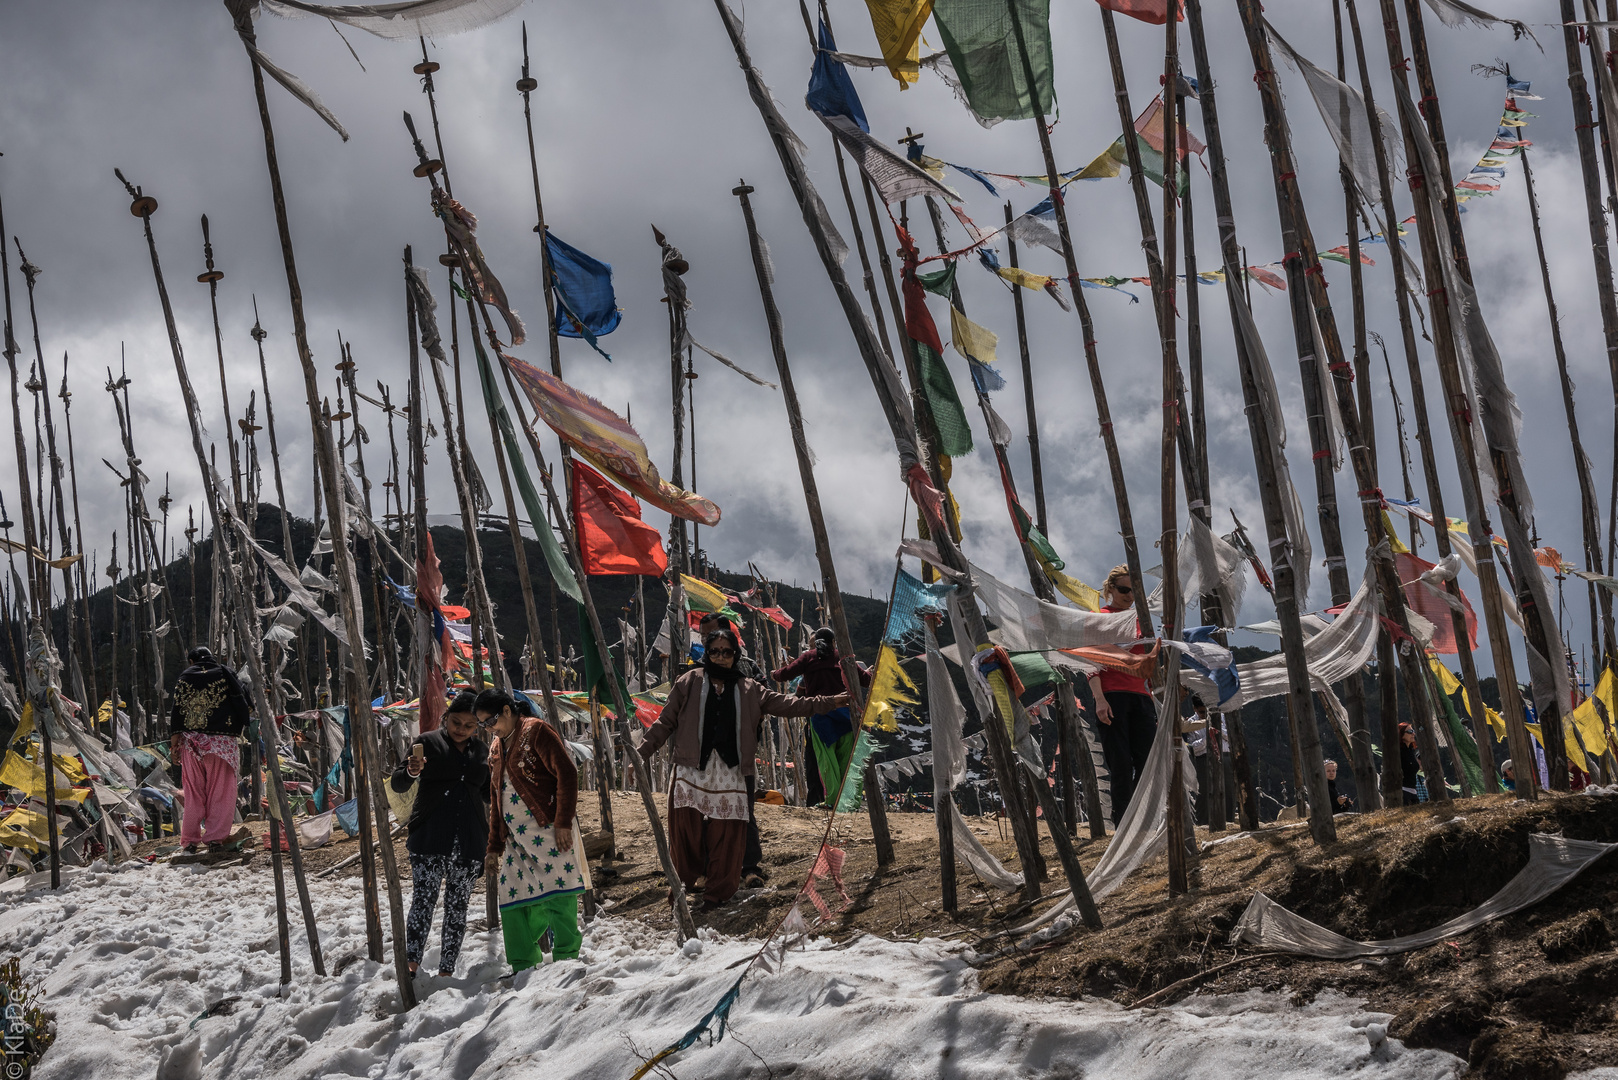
1432,607
1155,12
612,536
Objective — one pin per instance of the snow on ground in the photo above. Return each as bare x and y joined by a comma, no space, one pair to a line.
132,957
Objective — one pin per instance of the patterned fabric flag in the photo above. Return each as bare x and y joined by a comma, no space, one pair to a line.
607,441
612,537
992,67
898,31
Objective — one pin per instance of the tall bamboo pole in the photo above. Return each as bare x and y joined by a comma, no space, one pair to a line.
1590,174
1266,454
211,277
1489,590
1168,540
1304,269
1092,359
1459,414
1533,598
43,397
85,569
1601,628
359,707
144,206
902,425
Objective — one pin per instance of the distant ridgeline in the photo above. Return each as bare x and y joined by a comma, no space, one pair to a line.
614,595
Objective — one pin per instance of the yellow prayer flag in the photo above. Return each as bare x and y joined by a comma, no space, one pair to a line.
26,829
25,726
889,686
1446,677
971,340
1002,698
702,596
1075,590
1105,167
18,772
1588,720
1026,278
898,32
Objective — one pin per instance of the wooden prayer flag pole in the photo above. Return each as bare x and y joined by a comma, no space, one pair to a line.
624,710
1115,465
143,206
1391,775
342,560
1460,419
1584,130
823,555
1307,285
1265,451
84,567
1168,541
1533,598
901,422
1601,629
211,277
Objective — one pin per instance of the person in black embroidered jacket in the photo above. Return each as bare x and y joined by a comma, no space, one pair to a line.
449,828
209,714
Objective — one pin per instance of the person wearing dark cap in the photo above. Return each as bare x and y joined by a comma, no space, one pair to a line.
711,722
449,827
210,712
819,672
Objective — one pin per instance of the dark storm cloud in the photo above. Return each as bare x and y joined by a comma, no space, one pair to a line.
642,117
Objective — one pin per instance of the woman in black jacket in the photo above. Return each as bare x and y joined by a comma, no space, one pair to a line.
449,828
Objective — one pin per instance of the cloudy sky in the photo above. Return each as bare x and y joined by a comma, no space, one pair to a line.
642,117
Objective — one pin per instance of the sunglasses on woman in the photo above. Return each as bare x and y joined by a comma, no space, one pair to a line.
721,652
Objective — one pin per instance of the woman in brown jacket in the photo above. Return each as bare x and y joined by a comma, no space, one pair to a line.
711,724
534,791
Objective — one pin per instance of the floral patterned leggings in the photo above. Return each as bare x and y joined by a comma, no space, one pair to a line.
456,874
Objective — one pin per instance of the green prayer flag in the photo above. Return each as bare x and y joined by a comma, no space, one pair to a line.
852,795
555,559
1461,743
1037,541
954,436
939,282
1151,162
983,47
595,678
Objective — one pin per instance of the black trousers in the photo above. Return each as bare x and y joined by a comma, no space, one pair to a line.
1125,743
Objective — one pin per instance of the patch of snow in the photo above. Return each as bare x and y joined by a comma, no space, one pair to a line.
132,959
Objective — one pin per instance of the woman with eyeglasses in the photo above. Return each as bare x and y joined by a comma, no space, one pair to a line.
711,723
448,828
1124,707
534,786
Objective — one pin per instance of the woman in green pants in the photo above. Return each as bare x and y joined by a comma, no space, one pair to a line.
537,867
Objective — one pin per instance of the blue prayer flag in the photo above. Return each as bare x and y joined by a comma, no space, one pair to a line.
586,307
831,91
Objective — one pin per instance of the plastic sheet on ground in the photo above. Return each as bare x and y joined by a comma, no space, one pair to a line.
1552,862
